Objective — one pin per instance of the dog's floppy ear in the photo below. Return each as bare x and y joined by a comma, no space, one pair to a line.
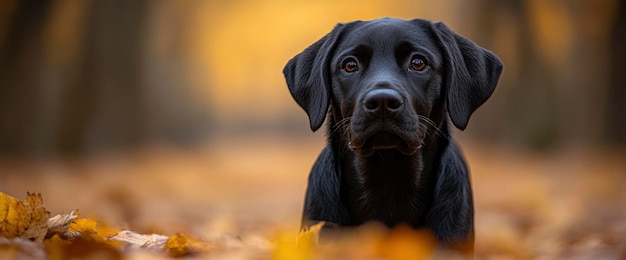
471,74
308,78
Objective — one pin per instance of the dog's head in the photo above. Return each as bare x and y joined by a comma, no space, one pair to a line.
389,81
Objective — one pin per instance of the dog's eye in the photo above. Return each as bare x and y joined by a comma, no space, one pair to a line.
417,64
350,65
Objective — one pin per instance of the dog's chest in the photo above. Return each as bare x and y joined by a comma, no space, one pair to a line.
391,196
391,208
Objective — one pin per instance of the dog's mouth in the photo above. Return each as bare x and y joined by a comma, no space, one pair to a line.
383,141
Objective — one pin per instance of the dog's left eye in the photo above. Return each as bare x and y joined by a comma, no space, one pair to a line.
350,65
417,64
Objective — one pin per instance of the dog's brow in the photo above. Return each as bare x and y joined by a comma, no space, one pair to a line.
403,49
358,51
406,48
362,52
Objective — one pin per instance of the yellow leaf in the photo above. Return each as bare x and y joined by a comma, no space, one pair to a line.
91,229
14,217
302,246
182,245
403,242
90,226
83,226
56,239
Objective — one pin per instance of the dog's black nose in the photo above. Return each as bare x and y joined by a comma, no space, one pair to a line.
382,101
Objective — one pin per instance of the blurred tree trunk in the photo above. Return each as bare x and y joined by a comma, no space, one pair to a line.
556,81
103,105
615,131
20,63
528,115
98,80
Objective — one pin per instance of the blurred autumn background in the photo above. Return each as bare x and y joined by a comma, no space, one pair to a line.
166,116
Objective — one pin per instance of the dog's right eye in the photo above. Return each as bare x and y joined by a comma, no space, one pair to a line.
350,65
417,64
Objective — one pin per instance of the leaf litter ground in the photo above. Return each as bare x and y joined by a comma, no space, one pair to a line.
241,198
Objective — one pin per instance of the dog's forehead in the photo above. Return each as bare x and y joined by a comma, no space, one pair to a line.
388,33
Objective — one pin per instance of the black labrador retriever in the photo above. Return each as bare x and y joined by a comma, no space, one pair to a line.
388,88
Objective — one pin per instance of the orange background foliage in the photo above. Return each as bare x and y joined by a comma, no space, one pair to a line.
546,181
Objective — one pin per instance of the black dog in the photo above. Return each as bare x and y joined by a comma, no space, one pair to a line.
389,88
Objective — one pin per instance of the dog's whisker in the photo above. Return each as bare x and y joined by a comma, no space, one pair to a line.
436,132
342,124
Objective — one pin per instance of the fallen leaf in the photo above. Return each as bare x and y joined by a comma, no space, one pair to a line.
91,229
403,242
60,224
302,246
131,239
183,245
82,248
39,216
14,216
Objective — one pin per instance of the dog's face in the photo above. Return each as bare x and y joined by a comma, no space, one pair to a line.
385,83
388,82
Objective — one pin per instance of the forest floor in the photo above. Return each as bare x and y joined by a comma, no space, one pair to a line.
563,204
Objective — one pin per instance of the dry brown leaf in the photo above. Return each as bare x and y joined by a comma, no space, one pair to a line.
25,224
135,240
39,216
59,224
182,245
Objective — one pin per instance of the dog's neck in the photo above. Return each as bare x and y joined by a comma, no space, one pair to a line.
386,179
